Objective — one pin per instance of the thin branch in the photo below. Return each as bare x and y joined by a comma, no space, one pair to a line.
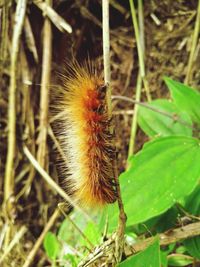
194,45
75,226
107,76
171,116
169,237
104,251
4,33
106,41
19,234
57,20
106,52
44,97
39,241
52,183
9,172
30,40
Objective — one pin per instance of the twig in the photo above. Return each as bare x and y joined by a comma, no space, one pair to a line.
39,241
51,182
57,20
44,97
169,237
30,39
14,241
27,119
9,172
174,118
194,45
107,76
4,35
57,144
106,51
104,251
74,225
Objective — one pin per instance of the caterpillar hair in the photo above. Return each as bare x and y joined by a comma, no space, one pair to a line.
83,130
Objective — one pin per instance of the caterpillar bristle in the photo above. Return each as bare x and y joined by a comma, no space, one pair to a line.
84,135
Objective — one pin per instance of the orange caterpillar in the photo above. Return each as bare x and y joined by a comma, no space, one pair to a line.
83,131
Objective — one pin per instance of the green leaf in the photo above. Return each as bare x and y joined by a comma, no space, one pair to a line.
193,246
185,98
163,259
150,257
51,245
179,260
164,171
72,259
192,202
153,123
192,205
63,232
92,233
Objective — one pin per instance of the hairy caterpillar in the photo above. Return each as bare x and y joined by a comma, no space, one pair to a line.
84,133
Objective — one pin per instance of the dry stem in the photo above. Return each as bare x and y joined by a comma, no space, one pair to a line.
106,56
57,20
44,97
194,45
14,241
9,172
169,237
51,182
39,241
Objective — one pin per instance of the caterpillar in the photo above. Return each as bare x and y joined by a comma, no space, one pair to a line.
83,130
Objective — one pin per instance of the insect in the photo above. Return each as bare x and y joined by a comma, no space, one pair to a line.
84,134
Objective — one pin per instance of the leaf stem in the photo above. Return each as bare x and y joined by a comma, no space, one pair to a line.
171,116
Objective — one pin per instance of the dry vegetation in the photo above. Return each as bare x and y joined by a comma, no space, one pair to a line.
32,49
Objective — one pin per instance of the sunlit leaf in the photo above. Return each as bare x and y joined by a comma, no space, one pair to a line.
150,257
51,245
185,98
163,172
159,123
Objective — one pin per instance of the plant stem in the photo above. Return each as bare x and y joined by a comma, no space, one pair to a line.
39,241
139,43
166,238
134,120
14,241
57,20
106,52
137,37
44,97
107,76
51,182
194,45
10,169
171,116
